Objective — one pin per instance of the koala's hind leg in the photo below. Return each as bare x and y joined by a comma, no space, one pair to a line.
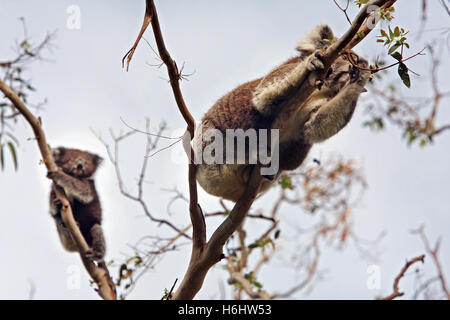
276,89
80,189
329,118
98,245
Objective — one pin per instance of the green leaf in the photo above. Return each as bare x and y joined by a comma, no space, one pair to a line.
404,74
410,135
2,158
391,33
253,245
277,234
12,149
286,182
397,55
423,142
394,47
24,44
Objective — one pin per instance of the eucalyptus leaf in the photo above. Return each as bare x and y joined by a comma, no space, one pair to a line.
12,149
403,71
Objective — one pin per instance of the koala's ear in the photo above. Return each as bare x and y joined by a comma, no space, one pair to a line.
318,38
57,153
98,160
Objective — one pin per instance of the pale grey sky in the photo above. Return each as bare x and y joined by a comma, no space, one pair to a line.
225,43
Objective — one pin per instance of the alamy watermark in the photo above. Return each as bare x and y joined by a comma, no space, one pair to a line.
74,277
374,277
235,147
74,19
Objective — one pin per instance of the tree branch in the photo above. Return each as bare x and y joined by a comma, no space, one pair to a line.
405,268
354,35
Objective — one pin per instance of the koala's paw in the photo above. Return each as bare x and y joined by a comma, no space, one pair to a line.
57,204
54,174
315,61
95,255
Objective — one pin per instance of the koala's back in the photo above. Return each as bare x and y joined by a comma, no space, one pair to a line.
236,110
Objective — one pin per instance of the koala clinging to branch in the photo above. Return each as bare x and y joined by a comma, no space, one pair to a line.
259,104
76,176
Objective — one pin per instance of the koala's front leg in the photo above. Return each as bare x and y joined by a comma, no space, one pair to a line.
328,119
80,189
98,245
274,90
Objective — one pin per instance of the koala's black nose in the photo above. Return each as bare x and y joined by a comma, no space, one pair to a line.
330,71
80,166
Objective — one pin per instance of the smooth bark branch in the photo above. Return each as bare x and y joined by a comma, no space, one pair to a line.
196,215
151,16
100,274
206,254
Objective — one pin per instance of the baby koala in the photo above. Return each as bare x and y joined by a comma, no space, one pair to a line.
76,176
258,104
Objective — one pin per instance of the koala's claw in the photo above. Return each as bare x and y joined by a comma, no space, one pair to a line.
57,203
315,62
53,174
94,255
270,177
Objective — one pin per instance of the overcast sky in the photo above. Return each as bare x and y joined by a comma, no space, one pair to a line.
226,44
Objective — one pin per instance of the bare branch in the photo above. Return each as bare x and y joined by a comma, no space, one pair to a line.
344,10
405,268
435,255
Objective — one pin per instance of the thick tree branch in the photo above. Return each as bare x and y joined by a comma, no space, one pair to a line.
98,273
366,27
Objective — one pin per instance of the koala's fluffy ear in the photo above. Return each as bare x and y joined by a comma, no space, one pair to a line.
57,153
318,38
98,160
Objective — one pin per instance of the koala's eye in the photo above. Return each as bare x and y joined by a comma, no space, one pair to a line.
80,166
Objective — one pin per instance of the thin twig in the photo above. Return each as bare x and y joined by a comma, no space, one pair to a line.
405,268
